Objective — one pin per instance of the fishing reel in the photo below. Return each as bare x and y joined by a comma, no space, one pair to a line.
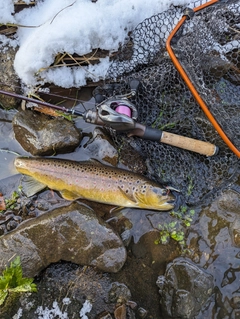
116,112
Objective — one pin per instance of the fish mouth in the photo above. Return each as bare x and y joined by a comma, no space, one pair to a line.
18,162
21,164
168,204
171,202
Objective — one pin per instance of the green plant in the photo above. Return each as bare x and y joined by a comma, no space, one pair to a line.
175,229
185,215
190,186
168,231
11,202
157,123
13,281
68,117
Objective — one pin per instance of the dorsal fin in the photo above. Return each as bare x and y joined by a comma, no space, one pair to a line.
92,161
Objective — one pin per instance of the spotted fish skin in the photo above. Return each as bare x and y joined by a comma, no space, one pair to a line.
96,182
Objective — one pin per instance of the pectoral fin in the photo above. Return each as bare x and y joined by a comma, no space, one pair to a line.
69,195
142,199
31,186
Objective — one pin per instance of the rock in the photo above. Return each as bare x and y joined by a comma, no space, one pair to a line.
131,158
41,135
119,293
222,215
64,288
72,233
229,201
9,79
235,232
184,289
101,147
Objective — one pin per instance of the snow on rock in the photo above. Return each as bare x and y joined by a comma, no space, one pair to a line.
70,26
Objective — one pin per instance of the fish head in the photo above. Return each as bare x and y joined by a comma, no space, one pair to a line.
155,197
22,164
27,165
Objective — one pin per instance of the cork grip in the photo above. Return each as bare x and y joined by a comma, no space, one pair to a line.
190,144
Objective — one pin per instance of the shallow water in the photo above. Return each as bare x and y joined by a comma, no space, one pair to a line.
9,147
213,237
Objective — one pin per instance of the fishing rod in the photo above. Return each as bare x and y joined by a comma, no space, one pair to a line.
45,91
35,101
118,113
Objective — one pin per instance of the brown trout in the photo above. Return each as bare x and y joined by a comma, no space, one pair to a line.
96,182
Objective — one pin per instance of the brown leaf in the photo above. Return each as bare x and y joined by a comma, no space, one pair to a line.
2,202
120,312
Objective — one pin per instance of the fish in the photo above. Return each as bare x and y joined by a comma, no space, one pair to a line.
96,182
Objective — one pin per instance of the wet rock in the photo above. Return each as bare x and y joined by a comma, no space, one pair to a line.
119,293
229,201
101,147
235,232
9,79
7,115
2,229
184,289
12,225
132,159
41,135
72,233
142,313
219,221
65,288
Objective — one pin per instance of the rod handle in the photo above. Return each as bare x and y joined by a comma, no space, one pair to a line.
189,144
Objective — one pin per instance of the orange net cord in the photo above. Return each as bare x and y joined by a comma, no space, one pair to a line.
191,86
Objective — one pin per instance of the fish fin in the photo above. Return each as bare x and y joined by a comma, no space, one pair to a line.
92,161
128,196
69,195
31,186
142,198
116,209
95,162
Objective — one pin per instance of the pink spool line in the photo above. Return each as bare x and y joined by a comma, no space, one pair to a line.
123,109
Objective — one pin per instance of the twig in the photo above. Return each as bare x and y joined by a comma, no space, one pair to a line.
62,10
7,151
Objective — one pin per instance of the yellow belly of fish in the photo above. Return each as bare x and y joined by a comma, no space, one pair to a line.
93,191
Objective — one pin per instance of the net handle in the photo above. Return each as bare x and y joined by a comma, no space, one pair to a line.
190,84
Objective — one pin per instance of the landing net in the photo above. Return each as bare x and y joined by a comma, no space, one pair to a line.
208,47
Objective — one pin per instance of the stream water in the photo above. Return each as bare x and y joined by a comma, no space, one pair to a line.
212,238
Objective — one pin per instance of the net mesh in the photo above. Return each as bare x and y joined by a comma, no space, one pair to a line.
208,48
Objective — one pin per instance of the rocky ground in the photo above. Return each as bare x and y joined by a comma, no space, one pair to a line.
90,263
81,253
